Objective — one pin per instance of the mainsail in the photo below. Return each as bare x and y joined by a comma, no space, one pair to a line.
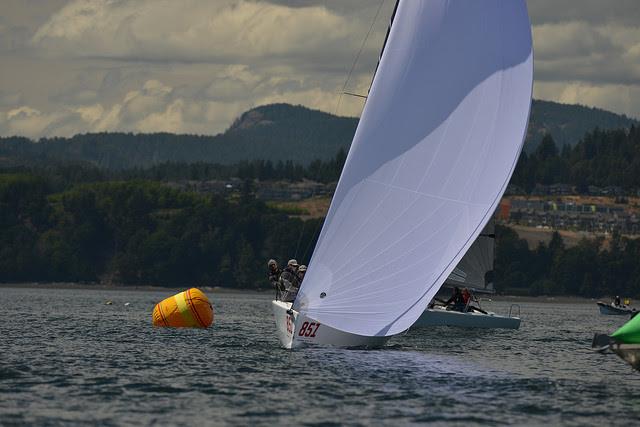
475,269
437,142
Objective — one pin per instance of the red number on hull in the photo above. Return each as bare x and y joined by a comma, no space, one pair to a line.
309,329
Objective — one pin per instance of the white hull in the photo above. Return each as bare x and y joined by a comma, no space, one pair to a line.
296,330
440,317
613,310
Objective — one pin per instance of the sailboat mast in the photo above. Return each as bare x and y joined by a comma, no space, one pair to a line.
386,37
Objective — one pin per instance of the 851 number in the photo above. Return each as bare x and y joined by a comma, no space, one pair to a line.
309,329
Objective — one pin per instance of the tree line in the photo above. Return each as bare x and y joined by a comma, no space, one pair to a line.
145,233
588,269
61,176
602,158
271,132
141,232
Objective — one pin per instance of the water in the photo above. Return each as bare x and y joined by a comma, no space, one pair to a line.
67,358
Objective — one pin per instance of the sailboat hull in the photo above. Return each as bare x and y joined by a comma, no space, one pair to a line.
296,330
441,317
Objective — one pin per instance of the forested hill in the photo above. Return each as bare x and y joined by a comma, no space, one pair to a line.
569,123
271,132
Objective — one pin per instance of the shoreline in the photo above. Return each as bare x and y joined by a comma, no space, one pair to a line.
561,299
128,288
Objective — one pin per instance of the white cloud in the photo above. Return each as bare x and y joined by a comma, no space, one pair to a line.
588,53
612,97
168,120
193,30
570,40
27,121
154,107
599,12
193,66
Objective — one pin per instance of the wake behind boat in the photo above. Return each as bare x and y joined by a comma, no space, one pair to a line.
435,147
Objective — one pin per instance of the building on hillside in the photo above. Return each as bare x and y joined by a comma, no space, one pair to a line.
568,215
284,190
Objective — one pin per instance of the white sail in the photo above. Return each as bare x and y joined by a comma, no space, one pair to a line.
437,142
475,269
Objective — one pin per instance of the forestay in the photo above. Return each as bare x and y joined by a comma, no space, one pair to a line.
437,142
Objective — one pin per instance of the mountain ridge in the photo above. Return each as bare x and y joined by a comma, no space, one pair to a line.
270,132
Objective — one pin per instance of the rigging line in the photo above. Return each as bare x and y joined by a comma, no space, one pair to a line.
311,239
344,87
384,45
355,61
355,94
295,254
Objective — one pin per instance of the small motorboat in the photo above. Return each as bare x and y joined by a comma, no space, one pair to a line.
440,316
613,309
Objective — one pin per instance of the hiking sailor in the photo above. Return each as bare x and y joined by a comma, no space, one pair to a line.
301,272
273,274
456,302
289,281
468,299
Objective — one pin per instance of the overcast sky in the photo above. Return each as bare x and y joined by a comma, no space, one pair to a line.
192,66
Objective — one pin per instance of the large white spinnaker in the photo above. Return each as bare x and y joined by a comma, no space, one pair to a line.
437,142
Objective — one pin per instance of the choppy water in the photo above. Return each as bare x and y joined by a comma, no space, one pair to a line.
67,358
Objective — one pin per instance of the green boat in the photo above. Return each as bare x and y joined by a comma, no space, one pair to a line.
625,342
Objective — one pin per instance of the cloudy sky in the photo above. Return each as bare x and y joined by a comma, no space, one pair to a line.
192,66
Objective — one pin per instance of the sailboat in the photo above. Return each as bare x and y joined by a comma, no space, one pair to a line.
437,142
474,272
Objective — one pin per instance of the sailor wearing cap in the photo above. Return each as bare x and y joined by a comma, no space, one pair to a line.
273,273
289,281
301,272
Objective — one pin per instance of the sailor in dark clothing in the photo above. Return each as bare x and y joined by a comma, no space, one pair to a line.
468,300
301,272
273,274
289,281
456,302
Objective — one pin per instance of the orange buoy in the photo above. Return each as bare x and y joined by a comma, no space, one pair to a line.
188,309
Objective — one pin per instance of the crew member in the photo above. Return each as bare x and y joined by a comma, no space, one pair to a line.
273,274
289,281
301,272
468,299
456,302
